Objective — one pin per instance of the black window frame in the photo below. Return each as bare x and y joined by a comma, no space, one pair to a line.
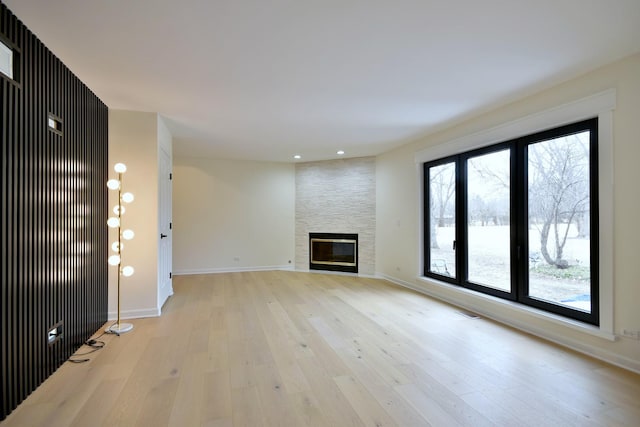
16,61
427,212
518,203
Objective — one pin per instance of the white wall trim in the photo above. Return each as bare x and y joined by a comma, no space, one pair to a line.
187,272
339,273
470,296
601,105
510,307
581,109
606,217
269,268
134,314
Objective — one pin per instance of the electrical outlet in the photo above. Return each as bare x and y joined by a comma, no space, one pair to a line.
631,334
54,333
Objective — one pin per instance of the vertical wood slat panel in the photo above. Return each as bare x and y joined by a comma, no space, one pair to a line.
4,99
4,291
54,238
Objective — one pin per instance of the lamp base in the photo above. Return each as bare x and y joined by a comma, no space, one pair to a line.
119,328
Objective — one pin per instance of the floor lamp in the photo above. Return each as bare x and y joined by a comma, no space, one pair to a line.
116,259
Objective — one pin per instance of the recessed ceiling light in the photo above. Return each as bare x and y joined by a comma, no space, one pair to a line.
297,156
340,152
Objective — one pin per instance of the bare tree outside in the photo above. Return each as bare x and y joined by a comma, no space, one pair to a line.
559,193
488,219
489,177
442,189
442,181
557,218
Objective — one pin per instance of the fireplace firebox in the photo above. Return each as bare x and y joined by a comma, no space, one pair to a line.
333,252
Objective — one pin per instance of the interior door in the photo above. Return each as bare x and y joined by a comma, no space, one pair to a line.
165,287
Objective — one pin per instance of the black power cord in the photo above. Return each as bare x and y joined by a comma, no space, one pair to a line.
94,344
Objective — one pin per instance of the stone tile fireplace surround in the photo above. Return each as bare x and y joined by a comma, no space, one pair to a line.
337,196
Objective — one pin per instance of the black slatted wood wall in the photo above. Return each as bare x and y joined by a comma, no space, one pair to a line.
54,211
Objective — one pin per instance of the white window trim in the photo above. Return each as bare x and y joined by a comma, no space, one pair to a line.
601,105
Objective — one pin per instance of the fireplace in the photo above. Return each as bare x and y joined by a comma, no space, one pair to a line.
333,252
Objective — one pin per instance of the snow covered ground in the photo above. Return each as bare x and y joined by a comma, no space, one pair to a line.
490,266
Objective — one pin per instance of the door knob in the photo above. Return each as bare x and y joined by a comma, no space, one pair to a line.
162,236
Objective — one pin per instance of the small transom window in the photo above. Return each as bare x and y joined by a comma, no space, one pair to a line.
6,60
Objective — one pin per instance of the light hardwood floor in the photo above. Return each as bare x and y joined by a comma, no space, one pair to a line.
297,349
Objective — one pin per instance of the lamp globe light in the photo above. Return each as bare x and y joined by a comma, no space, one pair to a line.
128,234
127,271
127,197
113,184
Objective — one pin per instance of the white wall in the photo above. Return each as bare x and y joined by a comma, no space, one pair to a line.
133,140
232,215
337,196
398,201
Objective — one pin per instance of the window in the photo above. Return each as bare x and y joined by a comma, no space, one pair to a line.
54,123
442,208
6,60
519,220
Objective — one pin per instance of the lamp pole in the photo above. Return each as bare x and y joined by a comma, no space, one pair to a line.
116,260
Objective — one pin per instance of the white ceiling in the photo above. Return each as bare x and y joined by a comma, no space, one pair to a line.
267,79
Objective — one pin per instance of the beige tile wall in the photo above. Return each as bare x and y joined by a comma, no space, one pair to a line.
337,196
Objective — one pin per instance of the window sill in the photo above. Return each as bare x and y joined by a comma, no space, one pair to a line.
467,298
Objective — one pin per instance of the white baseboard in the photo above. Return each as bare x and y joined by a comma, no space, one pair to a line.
558,338
134,314
339,273
268,268
187,272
